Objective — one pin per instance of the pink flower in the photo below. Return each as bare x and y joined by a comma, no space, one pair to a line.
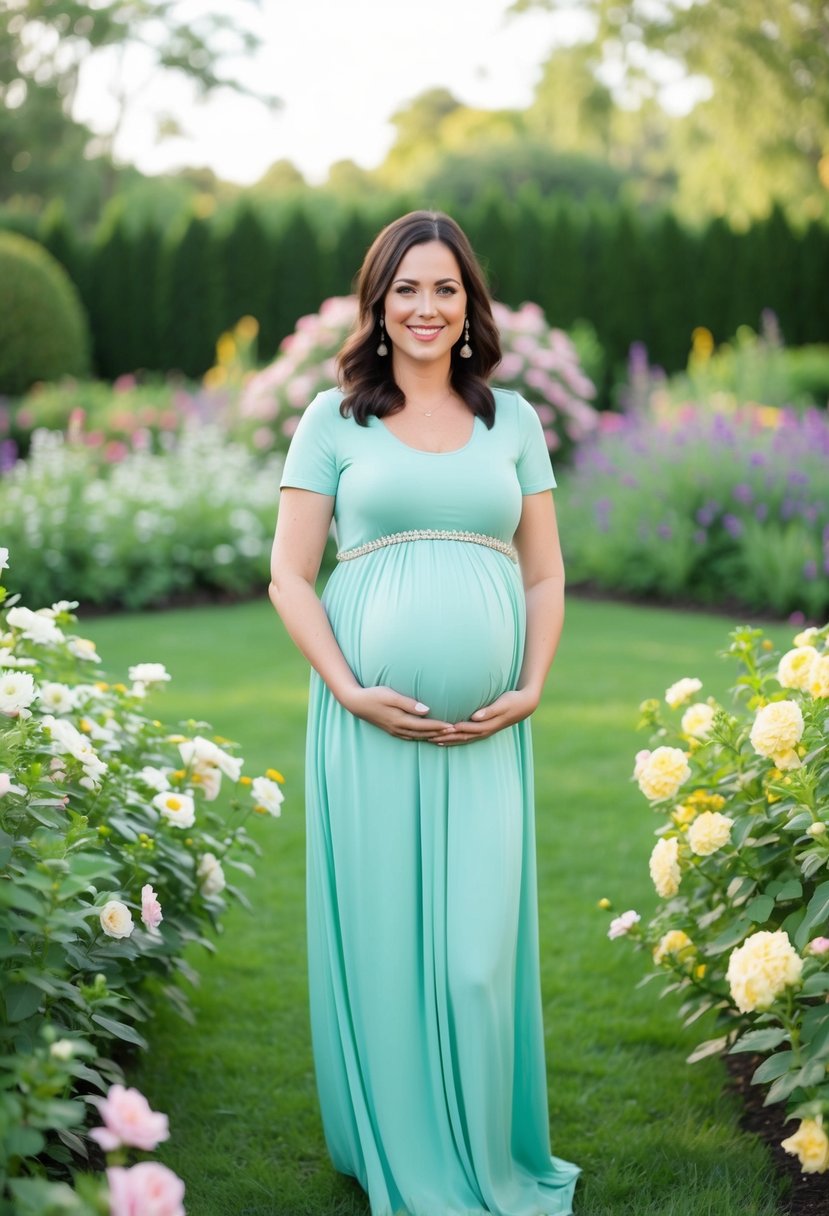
623,924
819,945
150,908
147,1189
128,1120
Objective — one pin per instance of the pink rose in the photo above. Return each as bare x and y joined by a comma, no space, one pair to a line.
150,908
623,924
147,1189
818,945
128,1120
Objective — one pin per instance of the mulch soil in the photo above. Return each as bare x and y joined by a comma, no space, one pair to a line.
809,1193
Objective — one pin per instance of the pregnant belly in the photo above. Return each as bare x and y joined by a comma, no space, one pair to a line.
444,627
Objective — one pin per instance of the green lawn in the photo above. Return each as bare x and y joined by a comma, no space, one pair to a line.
654,1136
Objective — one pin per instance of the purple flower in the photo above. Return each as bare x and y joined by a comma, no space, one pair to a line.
665,531
707,514
743,493
758,459
700,536
732,525
761,511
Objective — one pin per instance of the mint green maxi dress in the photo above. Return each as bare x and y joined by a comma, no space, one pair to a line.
426,1015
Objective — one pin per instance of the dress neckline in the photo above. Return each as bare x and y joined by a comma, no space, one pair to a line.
425,451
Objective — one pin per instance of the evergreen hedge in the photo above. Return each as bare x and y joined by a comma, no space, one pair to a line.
159,299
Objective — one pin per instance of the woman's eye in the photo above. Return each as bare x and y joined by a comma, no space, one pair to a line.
447,291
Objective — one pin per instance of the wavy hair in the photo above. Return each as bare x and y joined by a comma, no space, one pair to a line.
365,377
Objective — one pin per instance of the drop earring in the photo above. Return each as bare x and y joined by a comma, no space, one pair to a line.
382,349
466,349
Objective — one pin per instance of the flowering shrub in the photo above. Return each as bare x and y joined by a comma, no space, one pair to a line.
740,866
114,858
704,507
540,362
197,517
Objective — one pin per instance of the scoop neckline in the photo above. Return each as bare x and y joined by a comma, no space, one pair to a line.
425,451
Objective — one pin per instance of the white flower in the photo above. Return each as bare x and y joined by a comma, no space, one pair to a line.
35,626
7,659
155,778
662,773
266,793
682,691
82,648
58,698
4,559
760,969
775,731
149,673
697,719
116,919
210,874
620,925
62,1049
179,809
62,606
794,668
664,867
207,762
17,691
8,787
708,832
807,637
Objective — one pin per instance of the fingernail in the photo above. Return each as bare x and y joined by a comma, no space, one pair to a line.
421,708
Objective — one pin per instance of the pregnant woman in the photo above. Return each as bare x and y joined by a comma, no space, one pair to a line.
430,648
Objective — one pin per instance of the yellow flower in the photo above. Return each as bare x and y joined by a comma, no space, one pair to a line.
819,677
702,343
700,971
703,801
811,1144
767,644
697,719
662,773
807,636
176,739
247,328
85,725
674,943
214,377
604,904
682,691
709,832
101,685
760,969
794,669
119,687
275,775
664,867
683,813
776,731
225,349
245,780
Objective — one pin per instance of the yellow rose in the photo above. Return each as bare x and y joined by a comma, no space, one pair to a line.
697,720
819,677
794,668
664,867
775,731
677,944
684,813
709,832
761,968
682,691
662,773
811,1144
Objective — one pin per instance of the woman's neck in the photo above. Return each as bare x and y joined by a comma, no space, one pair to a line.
422,382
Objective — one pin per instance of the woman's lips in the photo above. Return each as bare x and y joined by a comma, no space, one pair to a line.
424,333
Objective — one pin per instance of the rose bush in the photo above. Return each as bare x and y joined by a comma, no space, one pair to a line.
119,840
741,869
539,361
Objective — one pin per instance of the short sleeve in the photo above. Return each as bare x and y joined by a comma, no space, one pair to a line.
533,466
311,463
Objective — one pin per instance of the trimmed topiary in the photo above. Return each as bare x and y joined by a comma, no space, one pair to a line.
44,334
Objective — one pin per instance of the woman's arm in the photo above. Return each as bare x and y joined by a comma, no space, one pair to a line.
302,527
542,572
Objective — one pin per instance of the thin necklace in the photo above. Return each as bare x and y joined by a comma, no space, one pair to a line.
435,408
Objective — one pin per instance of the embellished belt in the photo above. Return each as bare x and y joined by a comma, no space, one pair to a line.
399,538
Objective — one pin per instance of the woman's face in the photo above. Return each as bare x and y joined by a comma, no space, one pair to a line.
425,304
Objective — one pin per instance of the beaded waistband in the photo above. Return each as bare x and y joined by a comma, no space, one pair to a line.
399,538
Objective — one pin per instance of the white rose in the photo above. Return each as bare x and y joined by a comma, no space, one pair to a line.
697,719
178,808
210,874
149,673
794,667
116,919
664,771
709,832
35,626
664,867
682,691
776,730
760,969
266,793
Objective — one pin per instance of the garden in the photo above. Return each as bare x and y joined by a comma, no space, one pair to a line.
154,1015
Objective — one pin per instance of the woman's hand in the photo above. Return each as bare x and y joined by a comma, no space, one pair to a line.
506,710
398,715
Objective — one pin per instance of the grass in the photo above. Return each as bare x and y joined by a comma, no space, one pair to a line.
654,1136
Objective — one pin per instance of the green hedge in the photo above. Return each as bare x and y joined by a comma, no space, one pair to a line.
159,299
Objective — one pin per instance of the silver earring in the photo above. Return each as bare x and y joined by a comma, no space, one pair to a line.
466,349
382,349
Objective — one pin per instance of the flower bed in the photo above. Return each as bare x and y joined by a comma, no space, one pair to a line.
540,362
196,518
740,867
703,507
118,841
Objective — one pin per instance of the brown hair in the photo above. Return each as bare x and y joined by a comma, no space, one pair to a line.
365,376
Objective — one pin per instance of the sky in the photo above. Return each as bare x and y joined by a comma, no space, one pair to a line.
341,69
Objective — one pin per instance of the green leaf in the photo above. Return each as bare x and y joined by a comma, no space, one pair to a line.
814,984
817,913
782,1087
711,1047
14,896
793,889
799,822
120,1029
24,1142
760,1040
730,936
775,1066
21,1001
760,908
